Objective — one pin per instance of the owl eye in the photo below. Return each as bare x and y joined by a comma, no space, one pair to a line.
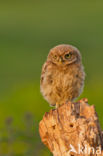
67,56
54,56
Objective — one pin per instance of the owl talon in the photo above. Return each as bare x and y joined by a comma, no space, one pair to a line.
57,104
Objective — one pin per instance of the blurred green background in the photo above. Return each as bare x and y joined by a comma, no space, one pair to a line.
28,29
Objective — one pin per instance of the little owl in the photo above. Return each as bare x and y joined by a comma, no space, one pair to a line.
63,75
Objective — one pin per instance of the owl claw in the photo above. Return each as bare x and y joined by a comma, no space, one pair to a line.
57,104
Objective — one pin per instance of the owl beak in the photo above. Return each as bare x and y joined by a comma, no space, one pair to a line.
61,60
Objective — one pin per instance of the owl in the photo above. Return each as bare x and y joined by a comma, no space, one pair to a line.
62,77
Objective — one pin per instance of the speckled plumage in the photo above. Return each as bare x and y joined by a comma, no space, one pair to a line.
62,77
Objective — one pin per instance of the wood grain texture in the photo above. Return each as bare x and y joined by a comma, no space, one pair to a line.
71,124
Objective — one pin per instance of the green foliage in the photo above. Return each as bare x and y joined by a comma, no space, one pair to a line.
26,141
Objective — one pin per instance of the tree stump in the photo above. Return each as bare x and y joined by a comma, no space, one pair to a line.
72,130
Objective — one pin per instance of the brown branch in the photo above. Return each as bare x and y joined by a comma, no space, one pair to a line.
72,125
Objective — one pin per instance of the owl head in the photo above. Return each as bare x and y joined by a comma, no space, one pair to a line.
63,54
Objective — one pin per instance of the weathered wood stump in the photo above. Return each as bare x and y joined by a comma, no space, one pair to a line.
72,130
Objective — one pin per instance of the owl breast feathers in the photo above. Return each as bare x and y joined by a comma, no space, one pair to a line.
63,75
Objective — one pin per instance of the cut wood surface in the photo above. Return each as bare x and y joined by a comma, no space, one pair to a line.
73,129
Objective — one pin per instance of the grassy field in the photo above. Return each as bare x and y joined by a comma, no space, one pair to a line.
28,29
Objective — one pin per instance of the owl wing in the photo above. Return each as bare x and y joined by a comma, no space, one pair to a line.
44,70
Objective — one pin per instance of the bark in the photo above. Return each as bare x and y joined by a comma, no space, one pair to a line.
72,130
